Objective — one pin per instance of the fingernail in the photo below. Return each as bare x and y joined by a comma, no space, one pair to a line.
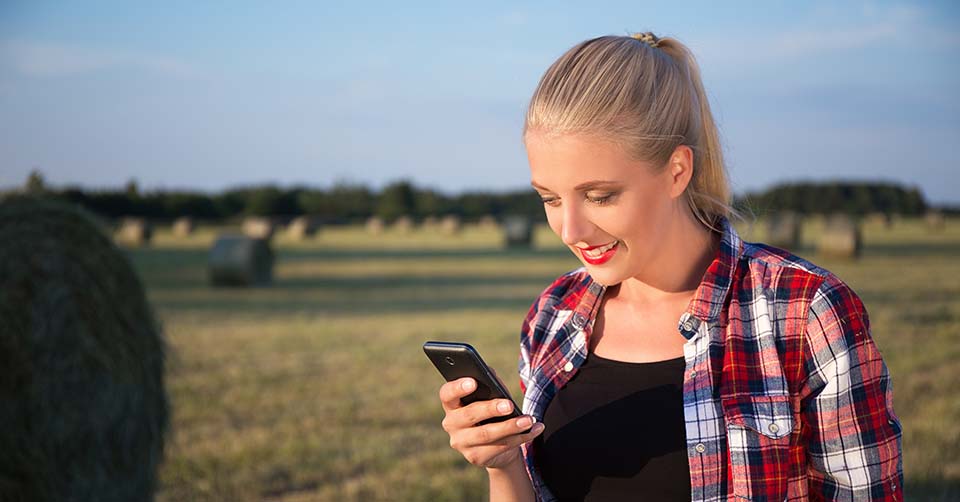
538,428
524,422
467,385
504,406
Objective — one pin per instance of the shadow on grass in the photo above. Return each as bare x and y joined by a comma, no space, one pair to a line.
932,490
169,271
234,304
417,254
912,250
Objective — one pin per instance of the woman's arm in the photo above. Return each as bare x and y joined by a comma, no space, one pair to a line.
510,483
854,437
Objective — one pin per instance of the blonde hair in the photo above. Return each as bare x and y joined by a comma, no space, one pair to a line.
645,94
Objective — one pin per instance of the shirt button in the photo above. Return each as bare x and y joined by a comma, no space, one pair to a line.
693,374
578,321
700,448
774,428
568,367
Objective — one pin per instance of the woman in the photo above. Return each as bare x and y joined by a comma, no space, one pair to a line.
680,363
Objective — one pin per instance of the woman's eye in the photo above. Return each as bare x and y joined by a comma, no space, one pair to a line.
601,200
550,201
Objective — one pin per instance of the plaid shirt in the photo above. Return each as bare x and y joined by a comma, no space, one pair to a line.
785,394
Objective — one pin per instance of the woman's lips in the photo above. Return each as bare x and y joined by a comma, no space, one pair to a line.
598,255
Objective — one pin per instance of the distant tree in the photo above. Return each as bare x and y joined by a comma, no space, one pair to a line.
132,189
35,184
430,203
269,201
195,205
396,200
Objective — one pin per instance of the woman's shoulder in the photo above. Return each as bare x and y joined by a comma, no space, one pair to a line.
785,277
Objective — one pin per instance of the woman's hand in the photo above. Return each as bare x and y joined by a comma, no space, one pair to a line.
494,445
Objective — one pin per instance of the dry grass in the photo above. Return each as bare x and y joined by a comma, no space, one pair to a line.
316,388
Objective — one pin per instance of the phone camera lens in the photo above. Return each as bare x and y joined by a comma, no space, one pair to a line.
449,360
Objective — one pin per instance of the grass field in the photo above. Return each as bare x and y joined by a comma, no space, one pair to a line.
316,388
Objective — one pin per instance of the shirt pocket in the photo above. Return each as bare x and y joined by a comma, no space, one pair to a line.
758,441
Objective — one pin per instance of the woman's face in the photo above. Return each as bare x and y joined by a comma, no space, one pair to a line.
609,209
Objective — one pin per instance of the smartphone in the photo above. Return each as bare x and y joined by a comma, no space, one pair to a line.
457,360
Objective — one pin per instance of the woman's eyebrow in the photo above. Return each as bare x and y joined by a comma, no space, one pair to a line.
583,186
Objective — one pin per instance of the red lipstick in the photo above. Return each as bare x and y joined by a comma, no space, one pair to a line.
601,259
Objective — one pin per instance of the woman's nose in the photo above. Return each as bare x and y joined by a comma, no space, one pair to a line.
575,227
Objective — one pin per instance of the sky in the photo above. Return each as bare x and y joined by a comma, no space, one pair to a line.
212,95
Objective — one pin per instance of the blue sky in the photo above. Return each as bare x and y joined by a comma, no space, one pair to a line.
209,95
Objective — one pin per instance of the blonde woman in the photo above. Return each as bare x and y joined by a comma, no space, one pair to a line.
679,363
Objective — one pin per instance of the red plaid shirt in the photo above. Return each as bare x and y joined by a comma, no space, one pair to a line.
785,394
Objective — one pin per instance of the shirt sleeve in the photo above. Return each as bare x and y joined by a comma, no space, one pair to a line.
853,435
526,334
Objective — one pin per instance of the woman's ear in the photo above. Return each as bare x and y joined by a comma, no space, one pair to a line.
680,167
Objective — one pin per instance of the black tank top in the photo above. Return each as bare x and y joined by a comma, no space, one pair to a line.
615,431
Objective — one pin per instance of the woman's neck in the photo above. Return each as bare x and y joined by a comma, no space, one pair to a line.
677,268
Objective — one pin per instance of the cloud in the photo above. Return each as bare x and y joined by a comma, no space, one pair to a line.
51,60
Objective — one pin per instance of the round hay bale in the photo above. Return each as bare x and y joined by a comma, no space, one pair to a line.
240,260
879,219
487,222
135,231
783,230
374,225
450,224
935,221
517,232
259,227
82,396
841,238
403,225
183,227
303,227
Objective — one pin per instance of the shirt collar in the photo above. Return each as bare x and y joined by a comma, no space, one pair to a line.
710,297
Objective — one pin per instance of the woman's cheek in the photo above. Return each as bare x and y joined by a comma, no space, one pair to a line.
554,220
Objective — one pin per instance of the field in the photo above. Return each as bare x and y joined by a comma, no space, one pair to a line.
316,388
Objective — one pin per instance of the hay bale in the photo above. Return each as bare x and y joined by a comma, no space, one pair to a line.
517,232
183,227
303,227
240,260
374,225
879,219
82,398
135,231
403,224
450,225
430,222
841,238
487,222
259,227
934,221
783,230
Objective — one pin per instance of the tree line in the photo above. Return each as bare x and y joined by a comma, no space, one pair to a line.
344,203
854,198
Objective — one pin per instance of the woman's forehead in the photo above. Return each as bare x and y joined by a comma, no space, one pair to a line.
580,162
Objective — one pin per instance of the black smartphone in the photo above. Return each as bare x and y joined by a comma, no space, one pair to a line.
457,360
